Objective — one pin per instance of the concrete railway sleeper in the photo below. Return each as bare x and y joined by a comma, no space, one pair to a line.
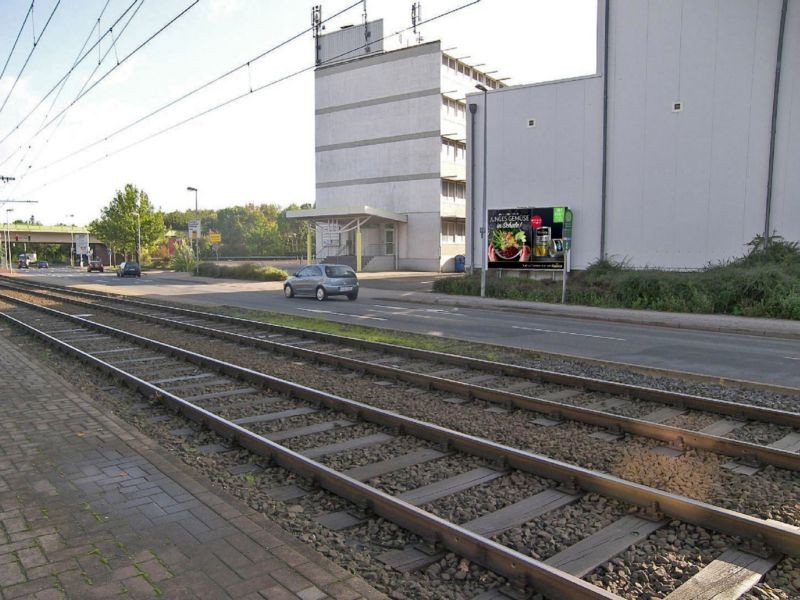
461,539
677,437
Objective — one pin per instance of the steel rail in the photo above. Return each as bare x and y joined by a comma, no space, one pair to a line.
517,567
643,369
741,411
779,536
675,436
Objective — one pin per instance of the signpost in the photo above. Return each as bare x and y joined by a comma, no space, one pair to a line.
194,235
566,235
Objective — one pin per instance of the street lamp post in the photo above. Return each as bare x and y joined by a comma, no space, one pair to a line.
72,242
8,242
197,241
484,225
138,239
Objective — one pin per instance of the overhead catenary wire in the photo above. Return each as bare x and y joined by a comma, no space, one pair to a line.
120,63
83,87
192,92
95,25
52,89
14,46
239,97
33,48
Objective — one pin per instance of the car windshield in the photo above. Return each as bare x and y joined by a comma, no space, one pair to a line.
339,272
131,265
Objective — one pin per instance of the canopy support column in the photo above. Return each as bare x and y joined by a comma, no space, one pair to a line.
358,246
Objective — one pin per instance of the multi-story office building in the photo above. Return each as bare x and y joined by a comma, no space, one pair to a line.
390,152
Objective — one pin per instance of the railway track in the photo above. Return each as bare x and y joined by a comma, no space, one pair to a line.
753,435
301,428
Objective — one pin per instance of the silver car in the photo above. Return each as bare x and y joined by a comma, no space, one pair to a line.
321,281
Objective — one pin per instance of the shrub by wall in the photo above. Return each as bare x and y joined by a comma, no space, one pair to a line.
246,271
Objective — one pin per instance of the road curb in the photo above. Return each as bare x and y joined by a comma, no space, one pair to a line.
779,328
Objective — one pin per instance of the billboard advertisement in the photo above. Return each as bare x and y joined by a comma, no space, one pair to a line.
529,238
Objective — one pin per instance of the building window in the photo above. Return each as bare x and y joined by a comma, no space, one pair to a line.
454,109
454,151
454,190
453,232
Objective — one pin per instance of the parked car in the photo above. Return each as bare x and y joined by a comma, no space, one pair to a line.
129,269
95,265
43,264
321,281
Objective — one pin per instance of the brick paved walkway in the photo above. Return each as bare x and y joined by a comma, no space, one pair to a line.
91,509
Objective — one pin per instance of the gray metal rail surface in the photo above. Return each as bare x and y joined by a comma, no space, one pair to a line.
779,536
678,437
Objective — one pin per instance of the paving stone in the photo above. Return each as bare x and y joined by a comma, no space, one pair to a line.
104,505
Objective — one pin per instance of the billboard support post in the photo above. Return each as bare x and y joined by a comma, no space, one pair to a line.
564,278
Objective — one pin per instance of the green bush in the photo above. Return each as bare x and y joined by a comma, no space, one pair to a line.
763,283
246,271
183,259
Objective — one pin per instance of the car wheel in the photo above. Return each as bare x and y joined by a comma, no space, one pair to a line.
288,291
321,294
352,295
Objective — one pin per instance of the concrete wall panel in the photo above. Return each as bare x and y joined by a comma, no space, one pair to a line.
380,160
395,73
555,163
379,121
687,188
786,177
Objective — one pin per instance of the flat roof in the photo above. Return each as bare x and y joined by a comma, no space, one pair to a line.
346,212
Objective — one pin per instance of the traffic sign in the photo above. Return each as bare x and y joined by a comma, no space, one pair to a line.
214,238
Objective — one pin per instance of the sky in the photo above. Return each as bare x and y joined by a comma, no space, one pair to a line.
257,149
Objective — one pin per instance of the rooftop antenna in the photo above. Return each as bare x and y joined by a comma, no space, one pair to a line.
416,17
367,33
316,24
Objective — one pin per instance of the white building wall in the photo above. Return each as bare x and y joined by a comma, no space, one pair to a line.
555,163
423,218
378,143
688,188
785,218
387,119
684,189
397,159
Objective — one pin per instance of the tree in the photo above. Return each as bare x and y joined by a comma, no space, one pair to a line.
117,225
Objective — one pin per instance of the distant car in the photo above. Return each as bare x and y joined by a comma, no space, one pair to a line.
129,269
22,264
95,265
321,281
43,264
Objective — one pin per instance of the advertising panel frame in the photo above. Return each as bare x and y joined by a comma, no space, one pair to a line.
535,238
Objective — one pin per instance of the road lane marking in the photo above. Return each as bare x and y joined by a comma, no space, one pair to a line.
330,312
602,337
392,307
792,357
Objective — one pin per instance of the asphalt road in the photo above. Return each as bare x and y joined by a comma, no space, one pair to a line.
381,304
